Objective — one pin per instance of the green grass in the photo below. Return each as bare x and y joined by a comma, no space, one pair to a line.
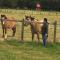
15,50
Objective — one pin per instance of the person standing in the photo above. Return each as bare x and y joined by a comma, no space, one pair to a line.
44,31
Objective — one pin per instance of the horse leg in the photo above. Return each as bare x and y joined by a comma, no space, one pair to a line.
32,36
5,33
14,31
38,37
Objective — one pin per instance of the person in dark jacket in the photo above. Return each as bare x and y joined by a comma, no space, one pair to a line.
44,31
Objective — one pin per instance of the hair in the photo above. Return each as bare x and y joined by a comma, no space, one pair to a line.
45,19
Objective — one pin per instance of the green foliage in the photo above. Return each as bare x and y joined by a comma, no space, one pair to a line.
31,4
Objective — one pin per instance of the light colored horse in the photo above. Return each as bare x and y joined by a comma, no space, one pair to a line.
8,23
35,26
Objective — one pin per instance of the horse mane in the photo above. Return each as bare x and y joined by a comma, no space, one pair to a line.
11,19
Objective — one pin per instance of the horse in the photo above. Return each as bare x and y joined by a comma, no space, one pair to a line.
8,23
35,25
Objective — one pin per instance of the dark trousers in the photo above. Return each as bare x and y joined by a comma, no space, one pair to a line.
44,38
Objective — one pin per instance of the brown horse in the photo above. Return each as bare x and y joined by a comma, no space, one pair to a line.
8,23
35,26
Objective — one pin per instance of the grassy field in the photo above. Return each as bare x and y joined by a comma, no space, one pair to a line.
13,49
19,14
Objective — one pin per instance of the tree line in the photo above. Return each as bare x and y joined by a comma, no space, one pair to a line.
31,4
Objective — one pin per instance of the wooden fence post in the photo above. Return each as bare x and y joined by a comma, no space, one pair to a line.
55,26
22,31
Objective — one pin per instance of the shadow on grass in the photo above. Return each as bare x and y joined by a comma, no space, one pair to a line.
18,43
15,42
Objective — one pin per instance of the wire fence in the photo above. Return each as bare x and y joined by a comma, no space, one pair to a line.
24,33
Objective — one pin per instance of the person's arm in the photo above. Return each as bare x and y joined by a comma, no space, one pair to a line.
47,29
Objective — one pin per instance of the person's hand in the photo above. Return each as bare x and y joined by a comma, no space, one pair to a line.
46,35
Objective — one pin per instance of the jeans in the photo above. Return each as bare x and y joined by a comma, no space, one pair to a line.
44,37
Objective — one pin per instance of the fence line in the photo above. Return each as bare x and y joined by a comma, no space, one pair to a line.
55,26
22,29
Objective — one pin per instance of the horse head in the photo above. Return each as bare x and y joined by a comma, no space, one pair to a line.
3,18
28,20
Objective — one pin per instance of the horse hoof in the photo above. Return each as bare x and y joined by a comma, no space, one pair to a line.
6,36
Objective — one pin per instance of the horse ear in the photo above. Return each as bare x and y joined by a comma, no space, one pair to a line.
2,15
25,15
30,15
